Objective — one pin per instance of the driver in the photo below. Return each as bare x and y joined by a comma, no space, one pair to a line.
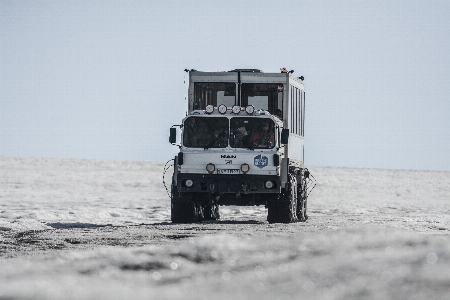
263,137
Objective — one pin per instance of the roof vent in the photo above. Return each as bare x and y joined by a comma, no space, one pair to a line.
247,70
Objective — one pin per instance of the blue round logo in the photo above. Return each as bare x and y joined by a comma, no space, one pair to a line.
261,161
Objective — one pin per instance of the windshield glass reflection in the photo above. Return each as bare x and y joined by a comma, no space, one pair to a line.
205,132
252,133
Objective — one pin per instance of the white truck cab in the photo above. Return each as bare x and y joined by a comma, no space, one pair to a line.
241,144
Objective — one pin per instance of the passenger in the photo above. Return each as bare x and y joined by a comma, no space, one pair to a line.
196,132
191,131
263,137
191,126
279,114
239,135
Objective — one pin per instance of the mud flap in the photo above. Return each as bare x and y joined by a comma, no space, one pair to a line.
284,172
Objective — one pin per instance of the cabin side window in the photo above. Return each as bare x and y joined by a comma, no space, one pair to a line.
296,110
267,96
292,109
303,113
215,93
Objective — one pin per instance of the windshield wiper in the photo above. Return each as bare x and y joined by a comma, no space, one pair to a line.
215,140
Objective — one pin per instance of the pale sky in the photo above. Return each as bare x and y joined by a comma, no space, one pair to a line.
105,79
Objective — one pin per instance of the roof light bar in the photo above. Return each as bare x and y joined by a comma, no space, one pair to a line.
222,109
250,109
236,109
209,109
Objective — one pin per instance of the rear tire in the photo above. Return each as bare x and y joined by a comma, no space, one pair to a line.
302,201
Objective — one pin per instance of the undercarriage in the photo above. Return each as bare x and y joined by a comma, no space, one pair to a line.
201,202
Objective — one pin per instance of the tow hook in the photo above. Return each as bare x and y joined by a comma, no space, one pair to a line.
244,188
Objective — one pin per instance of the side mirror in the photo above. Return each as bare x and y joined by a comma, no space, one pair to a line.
285,136
173,135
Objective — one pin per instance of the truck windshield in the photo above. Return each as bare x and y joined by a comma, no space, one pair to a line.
252,133
205,132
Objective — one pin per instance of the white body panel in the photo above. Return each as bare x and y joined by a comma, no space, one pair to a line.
260,162
295,147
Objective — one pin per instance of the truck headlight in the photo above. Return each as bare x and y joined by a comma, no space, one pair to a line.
210,168
189,183
245,168
269,184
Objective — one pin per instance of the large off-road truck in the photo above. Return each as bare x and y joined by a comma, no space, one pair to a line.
241,144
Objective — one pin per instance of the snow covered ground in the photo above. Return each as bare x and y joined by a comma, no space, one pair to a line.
86,229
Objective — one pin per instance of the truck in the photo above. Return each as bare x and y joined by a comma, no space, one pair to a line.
241,143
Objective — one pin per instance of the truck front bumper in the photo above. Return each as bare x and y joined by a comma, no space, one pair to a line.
222,184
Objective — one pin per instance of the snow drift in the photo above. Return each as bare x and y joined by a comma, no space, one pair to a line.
82,229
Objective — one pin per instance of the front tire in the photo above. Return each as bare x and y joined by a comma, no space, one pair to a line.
183,209
212,212
283,208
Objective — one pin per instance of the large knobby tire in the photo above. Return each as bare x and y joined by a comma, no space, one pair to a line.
211,212
184,210
283,208
302,201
